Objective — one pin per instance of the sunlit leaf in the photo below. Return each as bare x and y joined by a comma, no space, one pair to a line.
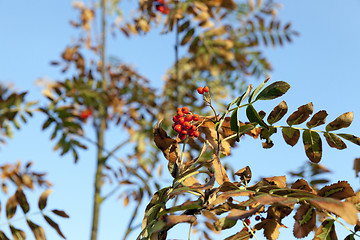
277,113
254,117
326,231
11,206
291,135
318,119
37,230
305,219
300,115
334,141
339,190
343,121
274,90
257,90
351,138
21,199
18,234
43,199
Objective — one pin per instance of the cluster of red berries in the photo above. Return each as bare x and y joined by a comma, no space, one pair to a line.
182,123
202,90
161,6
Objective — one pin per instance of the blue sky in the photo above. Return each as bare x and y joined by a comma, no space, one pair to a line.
321,65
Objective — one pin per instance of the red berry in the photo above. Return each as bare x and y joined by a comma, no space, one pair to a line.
182,136
184,132
175,118
200,90
178,128
193,127
180,114
85,114
173,126
206,89
196,133
196,117
188,118
186,125
179,110
247,221
257,218
191,132
181,120
185,110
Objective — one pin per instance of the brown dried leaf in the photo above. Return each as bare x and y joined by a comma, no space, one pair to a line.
356,166
339,190
37,230
305,219
242,235
11,206
244,173
300,115
43,199
277,113
60,213
3,236
343,121
21,199
355,200
18,234
334,141
291,135
54,225
313,145
302,185
279,181
345,210
220,173
318,119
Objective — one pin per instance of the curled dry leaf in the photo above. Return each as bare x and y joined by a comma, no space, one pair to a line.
279,181
301,184
305,219
244,174
318,119
326,230
220,173
339,190
43,199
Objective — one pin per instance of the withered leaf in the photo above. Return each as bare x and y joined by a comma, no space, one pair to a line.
168,221
291,135
355,200
313,145
271,228
302,185
300,115
187,36
244,174
274,90
3,236
318,119
54,225
334,141
356,166
18,234
343,121
21,199
305,219
345,210
243,235
220,173
279,181
37,230
351,138
43,199
11,206
339,190
60,213
277,113
326,231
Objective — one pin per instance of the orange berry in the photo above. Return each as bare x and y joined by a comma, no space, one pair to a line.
175,118
185,110
193,127
180,114
186,125
179,110
85,114
181,120
206,89
200,90
184,132
188,118
196,117
178,128
196,133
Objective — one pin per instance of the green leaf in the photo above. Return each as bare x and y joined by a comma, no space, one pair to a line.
334,141
351,138
3,236
313,145
274,90
318,119
254,117
188,36
21,199
326,231
343,121
277,113
11,206
257,90
245,94
300,115
17,233
291,135
224,223
234,120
